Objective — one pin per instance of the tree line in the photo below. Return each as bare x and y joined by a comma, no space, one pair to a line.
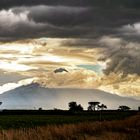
93,106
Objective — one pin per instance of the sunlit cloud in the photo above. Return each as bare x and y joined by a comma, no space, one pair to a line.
14,67
77,44
8,18
131,29
118,84
86,64
34,54
79,78
10,86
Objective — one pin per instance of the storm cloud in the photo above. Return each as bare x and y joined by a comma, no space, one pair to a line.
122,56
62,18
76,32
59,70
106,3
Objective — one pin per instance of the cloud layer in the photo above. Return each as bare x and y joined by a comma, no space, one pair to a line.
122,56
86,19
95,40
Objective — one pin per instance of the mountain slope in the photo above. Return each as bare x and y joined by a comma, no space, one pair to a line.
34,96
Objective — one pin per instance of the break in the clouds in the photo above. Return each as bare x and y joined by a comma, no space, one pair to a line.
75,66
96,41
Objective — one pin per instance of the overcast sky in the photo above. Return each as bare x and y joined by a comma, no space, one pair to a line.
90,43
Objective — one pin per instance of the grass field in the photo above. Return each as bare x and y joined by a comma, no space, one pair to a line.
31,119
78,128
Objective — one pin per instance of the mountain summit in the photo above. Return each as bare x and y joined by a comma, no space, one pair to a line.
34,96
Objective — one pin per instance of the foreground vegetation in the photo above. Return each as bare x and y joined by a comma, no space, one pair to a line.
127,129
33,118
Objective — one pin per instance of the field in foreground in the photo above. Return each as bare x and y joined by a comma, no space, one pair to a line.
127,129
32,118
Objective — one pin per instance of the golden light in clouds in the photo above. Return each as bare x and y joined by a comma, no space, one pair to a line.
39,58
35,52
13,66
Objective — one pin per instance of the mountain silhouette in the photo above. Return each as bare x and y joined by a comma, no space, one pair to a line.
34,96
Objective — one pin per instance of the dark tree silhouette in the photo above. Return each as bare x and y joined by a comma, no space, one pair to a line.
102,106
89,108
124,108
93,106
0,103
74,107
40,108
79,108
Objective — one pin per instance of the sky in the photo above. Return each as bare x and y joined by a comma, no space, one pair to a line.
90,44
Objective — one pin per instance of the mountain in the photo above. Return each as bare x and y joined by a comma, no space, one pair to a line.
34,96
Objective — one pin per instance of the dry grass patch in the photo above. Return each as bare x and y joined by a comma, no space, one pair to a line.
128,129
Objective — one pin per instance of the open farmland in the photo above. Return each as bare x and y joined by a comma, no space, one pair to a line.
30,118
69,127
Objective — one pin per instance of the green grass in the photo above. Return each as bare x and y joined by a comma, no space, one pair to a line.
31,121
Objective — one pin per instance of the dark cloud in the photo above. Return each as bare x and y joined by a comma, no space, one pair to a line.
15,3
62,18
123,62
59,15
60,70
89,43
123,56
101,3
81,19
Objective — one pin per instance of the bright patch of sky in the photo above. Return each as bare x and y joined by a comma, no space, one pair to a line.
96,68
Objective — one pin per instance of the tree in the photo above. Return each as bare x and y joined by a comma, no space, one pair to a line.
124,108
79,108
102,106
74,107
40,109
0,103
89,108
93,106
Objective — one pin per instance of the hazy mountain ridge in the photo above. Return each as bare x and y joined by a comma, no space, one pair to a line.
34,96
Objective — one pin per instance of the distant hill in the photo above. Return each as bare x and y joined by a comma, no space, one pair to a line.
34,96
